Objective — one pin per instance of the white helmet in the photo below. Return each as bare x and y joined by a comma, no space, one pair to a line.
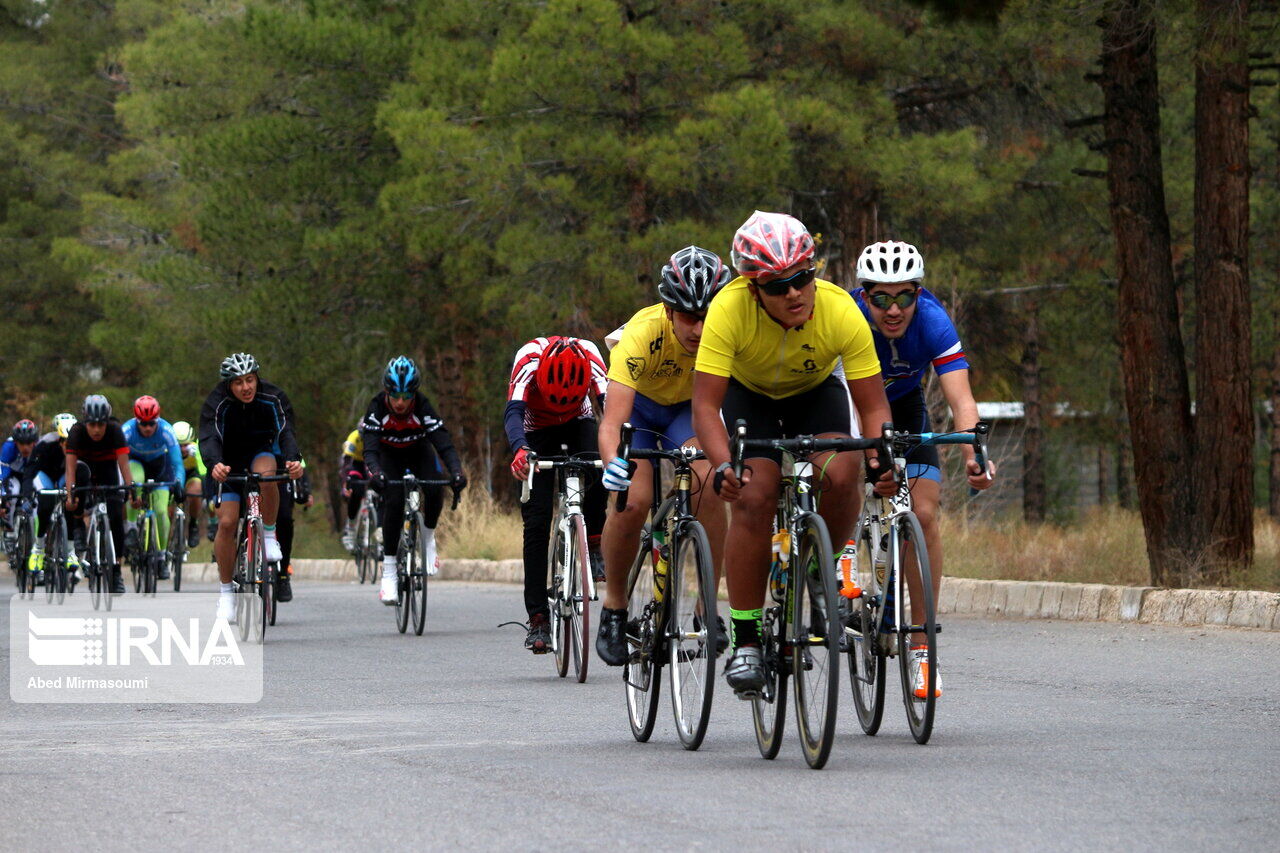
890,262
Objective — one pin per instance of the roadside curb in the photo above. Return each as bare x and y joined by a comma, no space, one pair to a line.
967,596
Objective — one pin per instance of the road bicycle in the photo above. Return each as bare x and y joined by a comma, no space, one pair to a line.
895,610
412,570
178,547
100,549
19,539
568,559
800,631
146,559
367,545
254,576
671,605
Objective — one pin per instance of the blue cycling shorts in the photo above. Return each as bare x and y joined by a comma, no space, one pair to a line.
658,426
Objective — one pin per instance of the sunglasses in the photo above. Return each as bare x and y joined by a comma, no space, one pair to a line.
903,300
408,395
780,286
146,423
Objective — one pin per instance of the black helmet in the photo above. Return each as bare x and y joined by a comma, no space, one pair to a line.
95,410
25,431
238,364
691,278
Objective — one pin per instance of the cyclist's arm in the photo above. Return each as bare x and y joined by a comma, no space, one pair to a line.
443,442
210,434
964,414
708,395
175,457
70,473
622,400
513,423
289,449
873,410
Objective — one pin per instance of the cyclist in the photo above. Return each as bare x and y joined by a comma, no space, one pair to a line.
650,385
549,406
14,455
96,447
402,432
772,349
46,469
352,472
245,424
195,473
912,332
154,454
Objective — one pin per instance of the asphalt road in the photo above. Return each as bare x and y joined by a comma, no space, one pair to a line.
1050,736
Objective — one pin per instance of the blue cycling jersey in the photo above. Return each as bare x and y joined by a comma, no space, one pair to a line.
161,442
930,339
11,461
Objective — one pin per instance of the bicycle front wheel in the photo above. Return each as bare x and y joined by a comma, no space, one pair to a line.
55,571
577,605
769,706
177,549
641,674
418,578
26,540
919,703
364,547
815,643
866,659
104,557
404,556
558,563
691,632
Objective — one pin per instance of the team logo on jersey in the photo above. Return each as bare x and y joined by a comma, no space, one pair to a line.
655,345
668,368
809,366
808,348
635,366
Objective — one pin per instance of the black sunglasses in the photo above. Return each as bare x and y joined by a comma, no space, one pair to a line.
780,286
903,300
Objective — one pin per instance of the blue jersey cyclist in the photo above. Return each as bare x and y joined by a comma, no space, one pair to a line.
14,455
912,333
154,454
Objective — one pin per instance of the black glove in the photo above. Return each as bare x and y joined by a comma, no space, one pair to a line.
459,482
377,481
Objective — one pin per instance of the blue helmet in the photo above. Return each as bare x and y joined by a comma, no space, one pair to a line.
401,376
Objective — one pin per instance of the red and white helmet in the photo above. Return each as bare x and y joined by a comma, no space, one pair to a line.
564,374
890,262
146,408
769,243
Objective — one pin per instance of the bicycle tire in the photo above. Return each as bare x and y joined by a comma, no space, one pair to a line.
577,603
152,558
267,590
136,560
261,587
403,556
106,558
54,543
22,548
691,638
97,589
769,707
920,711
815,645
363,546
642,673
177,551
243,587
555,607
865,657
418,578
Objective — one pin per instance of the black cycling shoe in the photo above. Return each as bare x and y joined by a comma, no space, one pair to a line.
117,580
131,541
164,571
284,588
722,636
745,671
212,532
611,638
538,639
193,538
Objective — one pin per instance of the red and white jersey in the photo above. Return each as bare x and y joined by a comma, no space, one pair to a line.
524,385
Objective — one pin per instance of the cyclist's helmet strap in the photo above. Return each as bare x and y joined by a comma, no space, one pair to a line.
401,375
691,278
564,374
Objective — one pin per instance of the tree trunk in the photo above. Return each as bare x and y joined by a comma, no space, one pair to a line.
1157,394
1033,473
858,224
1273,504
1124,488
1224,423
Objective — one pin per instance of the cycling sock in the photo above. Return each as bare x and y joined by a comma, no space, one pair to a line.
745,626
388,567
270,530
228,587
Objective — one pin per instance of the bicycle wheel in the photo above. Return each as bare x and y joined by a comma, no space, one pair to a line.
691,632
152,558
557,560
97,589
920,709
105,556
815,644
577,603
404,556
137,559
177,551
22,552
642,673
769,707
244,609
418,578
363,546
268,591
865,657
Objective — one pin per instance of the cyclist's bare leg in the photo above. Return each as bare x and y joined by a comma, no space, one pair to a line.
194,494
621,535
925,497
750,534
841,486
269,498
224,545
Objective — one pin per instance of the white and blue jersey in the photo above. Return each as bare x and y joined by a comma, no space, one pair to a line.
161,443
11,465
930,339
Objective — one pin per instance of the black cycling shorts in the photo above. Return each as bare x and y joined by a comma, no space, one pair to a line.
910,414
826,408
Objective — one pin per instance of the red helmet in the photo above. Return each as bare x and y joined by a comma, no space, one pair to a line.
769,243
146,408
564,373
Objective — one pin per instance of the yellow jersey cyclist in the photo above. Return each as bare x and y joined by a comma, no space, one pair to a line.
912,333
354,479
650,385
772,347
154,454
196,473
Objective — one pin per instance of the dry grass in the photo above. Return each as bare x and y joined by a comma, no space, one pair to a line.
1105,546
481,529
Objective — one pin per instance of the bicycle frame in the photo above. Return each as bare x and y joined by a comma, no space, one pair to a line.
568,503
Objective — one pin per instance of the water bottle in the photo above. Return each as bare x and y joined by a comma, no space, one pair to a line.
660,556
778,571
850,587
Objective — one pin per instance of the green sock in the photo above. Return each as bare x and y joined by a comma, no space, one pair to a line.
745,626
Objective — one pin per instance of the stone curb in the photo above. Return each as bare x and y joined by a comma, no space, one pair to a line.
968,596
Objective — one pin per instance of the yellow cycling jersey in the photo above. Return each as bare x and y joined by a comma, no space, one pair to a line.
651,360
741,340
354,446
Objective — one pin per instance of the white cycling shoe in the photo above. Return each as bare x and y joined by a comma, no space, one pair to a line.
226,606
390,591
271,547
432,559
